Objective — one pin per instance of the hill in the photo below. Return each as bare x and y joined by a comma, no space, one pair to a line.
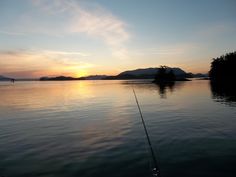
147,73
3,78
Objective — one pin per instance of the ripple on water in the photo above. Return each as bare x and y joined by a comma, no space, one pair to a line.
94,129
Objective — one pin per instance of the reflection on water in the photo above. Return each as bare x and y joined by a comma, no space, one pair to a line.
162,88
225,93
93,128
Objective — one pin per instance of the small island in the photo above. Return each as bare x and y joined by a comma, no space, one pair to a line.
166,75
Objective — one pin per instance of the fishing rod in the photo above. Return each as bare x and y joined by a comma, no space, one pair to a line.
155,170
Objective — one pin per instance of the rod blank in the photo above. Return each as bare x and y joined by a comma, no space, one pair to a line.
155,170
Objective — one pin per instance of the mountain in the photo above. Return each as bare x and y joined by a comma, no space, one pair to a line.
3,78
139,72
151,71
147,73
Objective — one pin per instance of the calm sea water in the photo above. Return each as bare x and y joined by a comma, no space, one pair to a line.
93,128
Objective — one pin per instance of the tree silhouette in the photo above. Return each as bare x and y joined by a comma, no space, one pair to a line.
222,75
163,75
223,68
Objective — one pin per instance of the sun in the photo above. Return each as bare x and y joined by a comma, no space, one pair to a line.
81,73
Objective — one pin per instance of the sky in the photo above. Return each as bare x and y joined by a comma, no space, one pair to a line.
88,37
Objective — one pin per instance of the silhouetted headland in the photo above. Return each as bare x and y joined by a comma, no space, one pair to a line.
223,69
223,77
3,78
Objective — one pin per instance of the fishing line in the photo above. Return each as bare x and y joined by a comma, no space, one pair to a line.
155,170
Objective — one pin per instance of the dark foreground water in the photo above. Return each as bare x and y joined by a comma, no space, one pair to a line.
92,128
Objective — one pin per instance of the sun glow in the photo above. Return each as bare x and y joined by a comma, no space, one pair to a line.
81,73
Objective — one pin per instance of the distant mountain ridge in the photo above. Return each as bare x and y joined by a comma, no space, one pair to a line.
59,78
64,78
141,73
94,77
3,78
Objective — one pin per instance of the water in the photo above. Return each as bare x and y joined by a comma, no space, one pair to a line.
93,128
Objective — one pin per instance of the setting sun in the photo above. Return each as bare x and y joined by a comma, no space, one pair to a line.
81,73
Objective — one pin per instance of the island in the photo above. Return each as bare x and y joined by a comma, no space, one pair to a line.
166,74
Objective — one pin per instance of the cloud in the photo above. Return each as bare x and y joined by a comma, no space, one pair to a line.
35,63
56,52
90,19
11,33
100,24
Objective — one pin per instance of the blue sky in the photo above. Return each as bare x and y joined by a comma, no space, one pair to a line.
82,37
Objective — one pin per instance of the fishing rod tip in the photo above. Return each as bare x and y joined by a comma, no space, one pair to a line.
155,172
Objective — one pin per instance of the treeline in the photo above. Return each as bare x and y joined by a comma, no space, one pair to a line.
59,78
223,68
166,74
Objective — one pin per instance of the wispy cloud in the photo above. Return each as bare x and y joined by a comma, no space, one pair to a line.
103,25
56,52
11,33
87,18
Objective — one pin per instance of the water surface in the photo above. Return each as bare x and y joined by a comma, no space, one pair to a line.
93,128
